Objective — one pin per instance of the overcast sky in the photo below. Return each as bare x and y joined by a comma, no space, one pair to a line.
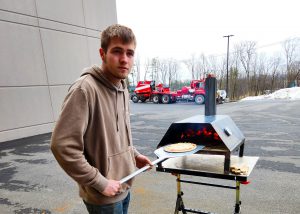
179,28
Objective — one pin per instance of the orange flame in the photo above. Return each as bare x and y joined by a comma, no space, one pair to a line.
204,132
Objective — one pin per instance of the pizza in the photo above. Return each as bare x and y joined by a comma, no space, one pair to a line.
239,170
180,147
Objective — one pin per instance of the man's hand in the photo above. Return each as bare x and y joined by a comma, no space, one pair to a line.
113,188
142,161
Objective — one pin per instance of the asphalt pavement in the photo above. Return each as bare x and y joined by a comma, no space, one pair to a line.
32,182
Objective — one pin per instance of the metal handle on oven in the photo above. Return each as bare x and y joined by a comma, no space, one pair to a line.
227,131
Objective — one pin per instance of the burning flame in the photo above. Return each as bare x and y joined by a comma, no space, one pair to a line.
200,133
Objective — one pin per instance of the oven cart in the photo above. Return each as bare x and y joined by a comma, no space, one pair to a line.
210,166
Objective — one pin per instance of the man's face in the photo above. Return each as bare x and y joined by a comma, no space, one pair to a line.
118,60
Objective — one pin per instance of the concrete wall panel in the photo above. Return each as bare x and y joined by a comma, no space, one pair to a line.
65,28
65,56
68,11
25,131
94,34
94,45
18,18
24,6
24,106
99,13
58,94
26,65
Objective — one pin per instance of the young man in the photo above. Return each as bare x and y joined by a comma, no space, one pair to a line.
92,138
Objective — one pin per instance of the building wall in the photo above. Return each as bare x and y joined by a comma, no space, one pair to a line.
44,45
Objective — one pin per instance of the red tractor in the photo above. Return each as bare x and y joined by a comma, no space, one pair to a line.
147,90
196,93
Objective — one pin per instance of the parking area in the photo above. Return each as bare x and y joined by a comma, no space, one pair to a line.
32,182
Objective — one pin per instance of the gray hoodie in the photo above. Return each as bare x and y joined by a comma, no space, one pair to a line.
92,138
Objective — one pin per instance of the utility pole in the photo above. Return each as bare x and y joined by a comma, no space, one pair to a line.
227,89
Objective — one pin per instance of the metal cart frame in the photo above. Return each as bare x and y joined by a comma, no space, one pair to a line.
239,179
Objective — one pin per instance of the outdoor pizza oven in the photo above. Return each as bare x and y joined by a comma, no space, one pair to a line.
218,133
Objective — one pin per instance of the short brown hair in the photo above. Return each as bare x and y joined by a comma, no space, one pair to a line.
116,31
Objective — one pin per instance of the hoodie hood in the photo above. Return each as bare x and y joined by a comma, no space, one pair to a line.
97,73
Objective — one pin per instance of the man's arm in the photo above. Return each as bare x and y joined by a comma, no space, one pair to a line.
67,142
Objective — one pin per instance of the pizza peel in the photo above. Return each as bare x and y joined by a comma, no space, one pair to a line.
162,156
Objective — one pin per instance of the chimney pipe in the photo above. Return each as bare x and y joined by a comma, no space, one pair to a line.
210,95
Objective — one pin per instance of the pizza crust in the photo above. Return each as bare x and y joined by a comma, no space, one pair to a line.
180,147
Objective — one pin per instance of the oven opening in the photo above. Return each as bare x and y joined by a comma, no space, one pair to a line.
200,134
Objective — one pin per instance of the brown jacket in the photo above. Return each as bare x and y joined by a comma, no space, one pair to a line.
92,138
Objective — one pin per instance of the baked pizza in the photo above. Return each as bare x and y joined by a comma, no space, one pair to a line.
180,147
239,170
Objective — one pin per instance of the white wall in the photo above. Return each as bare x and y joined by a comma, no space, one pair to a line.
44,45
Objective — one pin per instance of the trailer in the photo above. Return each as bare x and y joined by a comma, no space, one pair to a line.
148,91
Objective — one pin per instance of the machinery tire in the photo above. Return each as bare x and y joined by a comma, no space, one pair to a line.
135,98
199,99
165,99
155,99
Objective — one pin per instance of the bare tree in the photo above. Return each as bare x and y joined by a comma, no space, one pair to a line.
213,65
202,68
163,70
291,49
137,66
273,68
222,73
235,80
136,70
147,67
246,51
155,68
133,75
191,65
294,75
218,68
261,75
172,70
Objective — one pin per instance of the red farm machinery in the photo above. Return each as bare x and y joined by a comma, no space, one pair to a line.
148,91
195,92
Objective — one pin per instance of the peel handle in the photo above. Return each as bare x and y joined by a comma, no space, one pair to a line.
127,178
